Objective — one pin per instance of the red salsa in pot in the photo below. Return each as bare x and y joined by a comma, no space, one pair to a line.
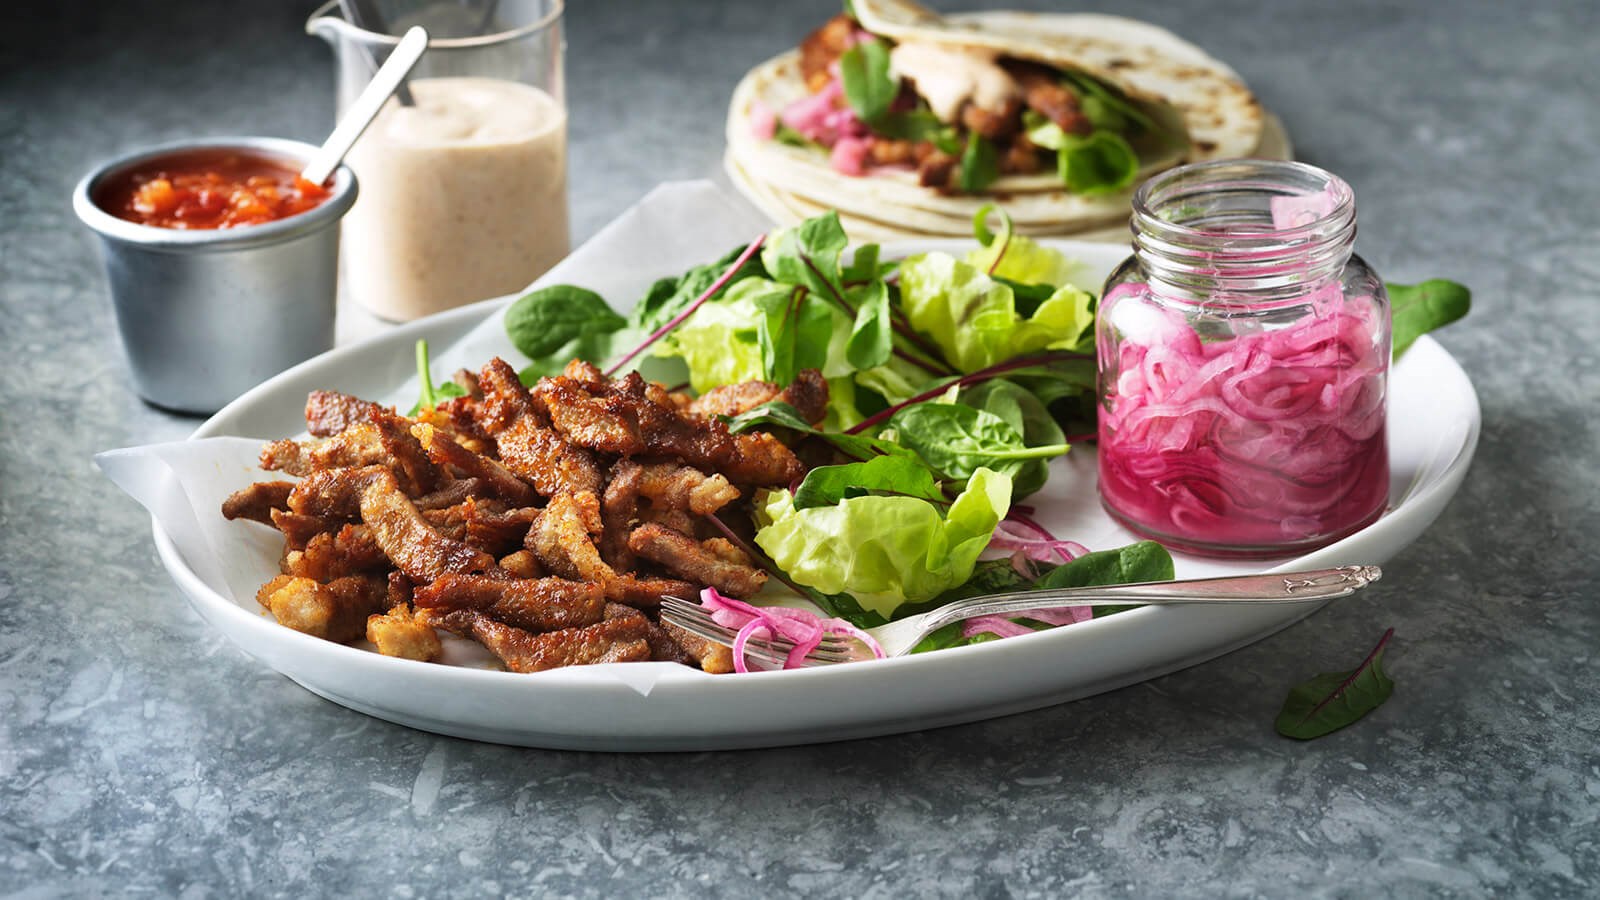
210,188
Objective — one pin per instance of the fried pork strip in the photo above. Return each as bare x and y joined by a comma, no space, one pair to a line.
808,395
496,531
399,633
544,604
547,460
298,530
444,451
452,494
330,555
414,546
685,488
258,501
560,538
682,555
823,47
385,441
711,656
662,647
1043,92
631,418
336,611
611,640
330,412
618,510
505,400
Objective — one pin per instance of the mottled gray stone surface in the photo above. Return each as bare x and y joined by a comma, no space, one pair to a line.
139,754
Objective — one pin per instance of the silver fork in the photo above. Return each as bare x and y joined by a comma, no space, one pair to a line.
897,638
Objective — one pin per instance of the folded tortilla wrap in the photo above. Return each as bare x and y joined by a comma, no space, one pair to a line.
1195,97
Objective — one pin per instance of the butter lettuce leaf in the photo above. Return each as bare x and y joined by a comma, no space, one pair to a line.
720,343
974,319
884,552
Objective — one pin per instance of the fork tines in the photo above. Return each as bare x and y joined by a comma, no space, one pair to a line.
693,618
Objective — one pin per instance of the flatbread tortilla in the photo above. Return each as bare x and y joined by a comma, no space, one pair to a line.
885,223
1221,116
1147,62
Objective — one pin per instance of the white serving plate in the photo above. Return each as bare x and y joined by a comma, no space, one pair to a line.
1434,423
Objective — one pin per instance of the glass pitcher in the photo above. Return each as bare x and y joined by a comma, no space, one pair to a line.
464,191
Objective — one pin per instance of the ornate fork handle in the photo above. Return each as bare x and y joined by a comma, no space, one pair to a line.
1298,587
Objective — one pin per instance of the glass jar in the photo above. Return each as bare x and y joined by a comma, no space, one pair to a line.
1243,364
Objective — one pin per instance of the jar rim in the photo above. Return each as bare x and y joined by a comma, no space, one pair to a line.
1334,210
1257,230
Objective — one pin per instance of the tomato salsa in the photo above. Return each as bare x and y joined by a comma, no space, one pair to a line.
210,188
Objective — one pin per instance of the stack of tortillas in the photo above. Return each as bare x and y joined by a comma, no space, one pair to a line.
1219,115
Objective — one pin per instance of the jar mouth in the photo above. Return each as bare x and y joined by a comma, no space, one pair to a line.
1262,227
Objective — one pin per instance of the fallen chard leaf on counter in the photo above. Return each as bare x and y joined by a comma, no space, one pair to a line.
1333,700
1420,308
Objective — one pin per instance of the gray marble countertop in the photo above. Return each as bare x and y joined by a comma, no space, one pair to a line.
141,754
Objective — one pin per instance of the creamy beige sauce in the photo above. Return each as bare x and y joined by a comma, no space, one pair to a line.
948,77
462,197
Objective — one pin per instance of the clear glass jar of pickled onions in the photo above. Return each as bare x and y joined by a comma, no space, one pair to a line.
1243,362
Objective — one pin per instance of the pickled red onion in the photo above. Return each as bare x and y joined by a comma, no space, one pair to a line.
1254,440
1018,532
804,629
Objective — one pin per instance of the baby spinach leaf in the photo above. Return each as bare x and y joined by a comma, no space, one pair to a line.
669,296
868,86
904,475
1133,564
957,439
1333,700
1109,109
1420,308
541,321
980,164
1144,561
1026,415
554,325
774,413
1101,162
872,335
777,414
1062,379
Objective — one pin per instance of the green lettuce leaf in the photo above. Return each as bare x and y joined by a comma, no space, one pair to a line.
974,319
864,75
1101,162
719,343
883,551
1018,258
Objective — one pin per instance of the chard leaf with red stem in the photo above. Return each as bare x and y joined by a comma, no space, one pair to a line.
1333,700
